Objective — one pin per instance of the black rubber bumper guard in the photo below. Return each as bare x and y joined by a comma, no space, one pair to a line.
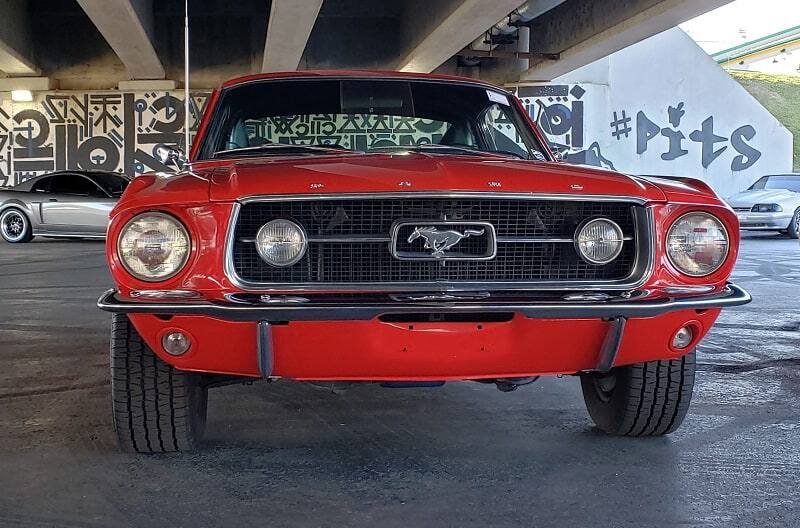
617,310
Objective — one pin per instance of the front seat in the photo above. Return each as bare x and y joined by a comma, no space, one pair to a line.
458,135
239,137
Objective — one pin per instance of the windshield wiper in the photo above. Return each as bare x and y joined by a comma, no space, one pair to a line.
433,147
279,148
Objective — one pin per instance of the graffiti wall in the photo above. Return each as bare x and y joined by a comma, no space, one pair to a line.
116,131
353,131
560,110
677,113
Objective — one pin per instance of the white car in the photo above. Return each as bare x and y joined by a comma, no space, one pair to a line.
770,204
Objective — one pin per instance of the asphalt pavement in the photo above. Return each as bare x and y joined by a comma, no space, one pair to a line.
290,454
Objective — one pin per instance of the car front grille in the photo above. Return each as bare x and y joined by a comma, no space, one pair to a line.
350,241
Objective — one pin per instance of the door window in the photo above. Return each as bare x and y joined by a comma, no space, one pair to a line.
42,185
75,185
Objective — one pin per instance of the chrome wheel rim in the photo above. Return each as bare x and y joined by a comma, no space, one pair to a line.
796,221
13,225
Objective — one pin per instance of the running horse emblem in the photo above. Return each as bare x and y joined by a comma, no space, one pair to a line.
440,241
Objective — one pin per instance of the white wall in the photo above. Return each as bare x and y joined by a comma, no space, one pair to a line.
661,88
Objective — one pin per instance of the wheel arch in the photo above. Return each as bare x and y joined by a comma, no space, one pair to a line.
27,208
14,203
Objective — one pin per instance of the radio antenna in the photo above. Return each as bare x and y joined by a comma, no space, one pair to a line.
186,98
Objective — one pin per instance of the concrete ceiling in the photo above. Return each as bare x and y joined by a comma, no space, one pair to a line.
95,44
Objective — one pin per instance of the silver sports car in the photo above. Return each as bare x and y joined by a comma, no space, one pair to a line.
60,204
770,204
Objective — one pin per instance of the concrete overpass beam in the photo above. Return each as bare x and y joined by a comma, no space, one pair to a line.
16,45
583,31
290,24
451,30
127,26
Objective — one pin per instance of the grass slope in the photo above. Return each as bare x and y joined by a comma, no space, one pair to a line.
780,94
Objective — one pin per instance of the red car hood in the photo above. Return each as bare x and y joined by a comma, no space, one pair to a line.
352,173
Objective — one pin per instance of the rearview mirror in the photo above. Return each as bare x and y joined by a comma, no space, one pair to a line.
169,155
560,155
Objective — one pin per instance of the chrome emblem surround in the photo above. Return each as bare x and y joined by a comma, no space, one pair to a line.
440,237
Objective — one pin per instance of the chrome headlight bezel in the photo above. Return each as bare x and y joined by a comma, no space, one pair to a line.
722,260
303,240
583,255
176,269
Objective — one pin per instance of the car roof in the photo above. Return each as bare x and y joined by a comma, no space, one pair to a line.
358,74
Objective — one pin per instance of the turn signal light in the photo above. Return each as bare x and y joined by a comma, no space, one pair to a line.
176,343
683,338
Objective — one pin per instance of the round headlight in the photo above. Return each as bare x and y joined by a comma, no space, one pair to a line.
153,246
599,241
697,244
281,243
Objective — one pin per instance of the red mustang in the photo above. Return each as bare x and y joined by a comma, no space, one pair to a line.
407,230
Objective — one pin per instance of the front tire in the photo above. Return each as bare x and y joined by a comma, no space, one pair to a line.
794,226
156,408
645,399
15,228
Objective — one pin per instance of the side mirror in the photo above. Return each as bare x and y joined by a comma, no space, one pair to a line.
560,155
169,155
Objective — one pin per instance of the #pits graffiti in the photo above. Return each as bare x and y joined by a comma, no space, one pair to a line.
115,131
559,110
673,143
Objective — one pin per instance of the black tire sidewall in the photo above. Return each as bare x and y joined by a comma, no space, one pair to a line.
792,231
609,414
649,399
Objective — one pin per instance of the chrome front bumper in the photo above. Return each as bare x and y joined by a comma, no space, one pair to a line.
354,308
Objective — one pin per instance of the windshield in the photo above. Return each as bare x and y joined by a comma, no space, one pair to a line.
316,116
787,182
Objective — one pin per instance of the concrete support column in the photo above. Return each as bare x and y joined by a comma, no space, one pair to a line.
290,25
16,44
127,26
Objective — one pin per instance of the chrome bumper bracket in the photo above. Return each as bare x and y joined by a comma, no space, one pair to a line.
611,344
265,356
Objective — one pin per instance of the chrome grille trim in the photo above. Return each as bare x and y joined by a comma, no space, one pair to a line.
641,268
499,240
